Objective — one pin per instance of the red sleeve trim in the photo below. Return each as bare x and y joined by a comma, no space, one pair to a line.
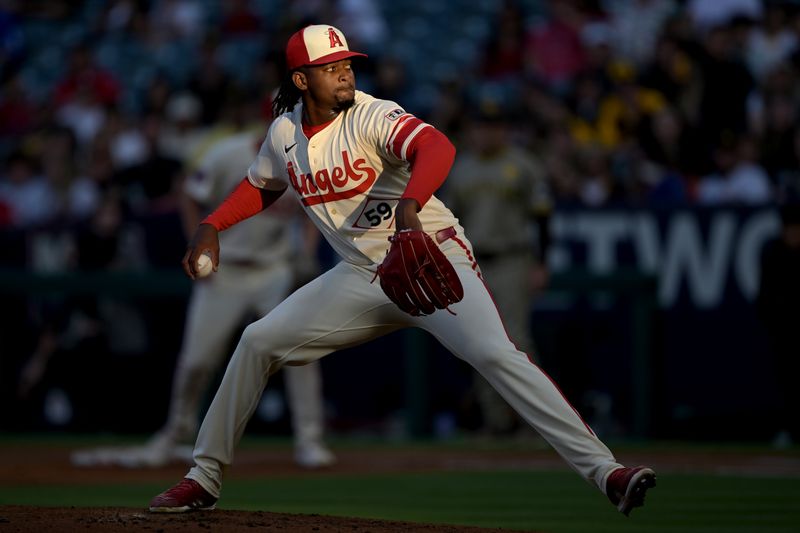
431,155
245,201
402,132
396,127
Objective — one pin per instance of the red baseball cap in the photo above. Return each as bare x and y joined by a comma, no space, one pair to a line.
317,45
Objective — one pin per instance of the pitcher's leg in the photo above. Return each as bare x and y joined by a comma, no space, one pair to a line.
312,322
476,334
232,407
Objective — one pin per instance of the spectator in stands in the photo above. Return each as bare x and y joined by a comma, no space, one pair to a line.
561,158
771,43
391,79
209,83
620,112
177,20
124,16
739,179
503,54
778,137
17,111
76,197
598,186
540,114
778,300
151,195
86,79
635,26
98,167
27,196
152,182
83,115
726,86
596,38
708,14
553,49
83,94
268,74
156,95
673,72
448,110
788,178
302,12
668,147
363,23
124,139
182,133
585,101
12,41
778,83
240,19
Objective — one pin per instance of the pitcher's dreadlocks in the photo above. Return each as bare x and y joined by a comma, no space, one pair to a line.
287,97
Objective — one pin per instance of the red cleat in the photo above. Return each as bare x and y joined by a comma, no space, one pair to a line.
626,487
186,496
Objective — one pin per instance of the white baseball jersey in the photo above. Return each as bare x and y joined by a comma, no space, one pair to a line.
350,176
262,239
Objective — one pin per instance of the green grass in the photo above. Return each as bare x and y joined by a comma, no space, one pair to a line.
557,502
544,501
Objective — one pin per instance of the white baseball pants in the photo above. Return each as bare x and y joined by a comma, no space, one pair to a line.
342,308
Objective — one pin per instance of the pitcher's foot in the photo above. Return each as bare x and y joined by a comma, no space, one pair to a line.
186,496
626,487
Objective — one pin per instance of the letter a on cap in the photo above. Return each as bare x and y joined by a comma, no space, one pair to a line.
334,37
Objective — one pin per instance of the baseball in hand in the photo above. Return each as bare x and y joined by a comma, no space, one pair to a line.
204,265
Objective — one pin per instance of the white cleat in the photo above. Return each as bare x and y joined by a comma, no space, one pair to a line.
155,454
314,456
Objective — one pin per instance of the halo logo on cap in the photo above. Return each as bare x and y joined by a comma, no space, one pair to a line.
317,45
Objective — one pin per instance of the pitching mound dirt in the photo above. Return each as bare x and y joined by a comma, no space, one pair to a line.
18,519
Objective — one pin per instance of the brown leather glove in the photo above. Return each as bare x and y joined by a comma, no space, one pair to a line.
417,276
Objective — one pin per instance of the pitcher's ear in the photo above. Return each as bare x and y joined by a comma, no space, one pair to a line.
300,80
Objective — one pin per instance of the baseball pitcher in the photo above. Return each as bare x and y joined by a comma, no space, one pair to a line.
365,170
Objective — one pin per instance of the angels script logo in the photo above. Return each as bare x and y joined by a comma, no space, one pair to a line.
338,183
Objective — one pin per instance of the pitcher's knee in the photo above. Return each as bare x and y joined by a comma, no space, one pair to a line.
256,342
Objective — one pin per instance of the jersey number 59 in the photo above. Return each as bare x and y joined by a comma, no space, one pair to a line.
377,213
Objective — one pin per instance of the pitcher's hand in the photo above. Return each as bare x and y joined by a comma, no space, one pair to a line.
206,237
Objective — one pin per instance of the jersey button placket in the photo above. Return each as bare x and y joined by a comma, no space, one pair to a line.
312,158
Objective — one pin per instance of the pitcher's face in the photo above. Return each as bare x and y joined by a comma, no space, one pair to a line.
332,85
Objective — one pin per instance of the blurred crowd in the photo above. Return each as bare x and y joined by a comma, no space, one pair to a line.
646,103
654,103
